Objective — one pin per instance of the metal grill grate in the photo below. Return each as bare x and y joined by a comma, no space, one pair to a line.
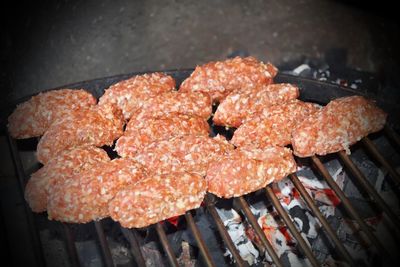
241,203
244,206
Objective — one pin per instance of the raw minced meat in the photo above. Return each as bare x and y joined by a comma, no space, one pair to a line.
85,197
65,165
98,126
237,107
130,94
33,117
139,134
189,103
183,153
241,171
219,78
157,198
274,125
338,125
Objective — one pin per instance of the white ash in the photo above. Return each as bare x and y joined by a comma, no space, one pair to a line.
322,72
152,255
210,236
236,230
185,259
120,253
298,70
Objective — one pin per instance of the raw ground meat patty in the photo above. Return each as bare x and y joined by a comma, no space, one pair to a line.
273,127
86,196
183,153
129,94
157,198
33,117
239,106
338,125
243,171
190,103
219,78
98,126
65,165
139,134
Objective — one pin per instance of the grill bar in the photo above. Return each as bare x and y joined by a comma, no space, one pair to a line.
22,178
224,233
200,242
135,248
282,213
348,206
368,187
260,233
166,246
104,244
378,156
210,201
73,253
299,186
392,135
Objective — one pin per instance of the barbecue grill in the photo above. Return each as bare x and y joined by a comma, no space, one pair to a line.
311,90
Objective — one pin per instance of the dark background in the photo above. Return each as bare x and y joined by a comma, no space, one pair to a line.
47,44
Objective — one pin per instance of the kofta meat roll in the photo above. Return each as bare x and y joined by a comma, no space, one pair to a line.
189,103
85,197
129,94
241,171
338,125
183,153
139,134
274,125
239,106
98,126
67,164
33,117
219,78
157,198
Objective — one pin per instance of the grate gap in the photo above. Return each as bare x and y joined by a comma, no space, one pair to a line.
105,248
371,147
328,229
349,207
244,206
200,242
395,221
73,253
130,234
166,246
292,228
223,232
